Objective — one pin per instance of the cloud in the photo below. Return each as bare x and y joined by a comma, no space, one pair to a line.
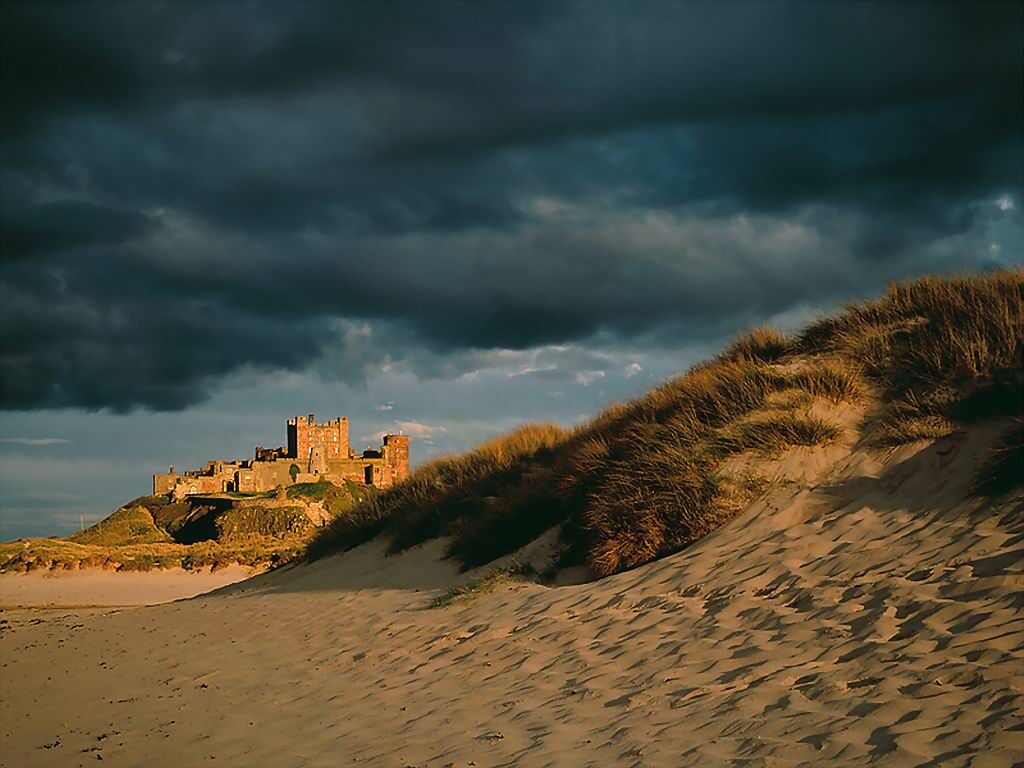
586,378
421,433
633,369
344,192
34,441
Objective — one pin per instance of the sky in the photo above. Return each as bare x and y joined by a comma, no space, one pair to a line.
450,218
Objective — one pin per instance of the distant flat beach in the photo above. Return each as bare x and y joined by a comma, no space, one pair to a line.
99,588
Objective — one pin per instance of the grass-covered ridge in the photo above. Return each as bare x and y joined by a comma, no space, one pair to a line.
650,476
151,532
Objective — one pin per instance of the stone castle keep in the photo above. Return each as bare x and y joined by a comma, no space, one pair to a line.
314,452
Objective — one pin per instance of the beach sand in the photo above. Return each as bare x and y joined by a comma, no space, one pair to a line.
863,615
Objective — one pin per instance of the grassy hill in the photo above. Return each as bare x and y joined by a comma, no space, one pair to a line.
200,532
646,478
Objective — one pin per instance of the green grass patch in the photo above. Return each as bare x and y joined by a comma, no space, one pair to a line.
131,524
494,579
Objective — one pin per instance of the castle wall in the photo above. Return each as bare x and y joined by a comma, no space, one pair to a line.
369,471
267,475
190,485
164,482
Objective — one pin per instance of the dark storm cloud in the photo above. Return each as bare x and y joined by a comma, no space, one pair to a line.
193,189
64,225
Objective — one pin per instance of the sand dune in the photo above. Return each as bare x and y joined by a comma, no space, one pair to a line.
863,613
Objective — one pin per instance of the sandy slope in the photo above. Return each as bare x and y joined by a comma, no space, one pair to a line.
867,616
97,587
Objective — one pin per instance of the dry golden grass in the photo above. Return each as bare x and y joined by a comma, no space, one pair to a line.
443,492
942,348
773,434
646,477
834,381
760,344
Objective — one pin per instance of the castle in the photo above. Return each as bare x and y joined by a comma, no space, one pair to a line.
314,452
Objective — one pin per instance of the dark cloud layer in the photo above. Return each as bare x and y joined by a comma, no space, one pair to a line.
190,190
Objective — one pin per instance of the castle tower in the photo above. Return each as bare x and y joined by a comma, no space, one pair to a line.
304,434
395,452
317,460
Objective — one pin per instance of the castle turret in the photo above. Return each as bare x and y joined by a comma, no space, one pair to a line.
395,452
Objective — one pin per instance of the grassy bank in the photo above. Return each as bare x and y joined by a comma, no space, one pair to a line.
150,532
651,476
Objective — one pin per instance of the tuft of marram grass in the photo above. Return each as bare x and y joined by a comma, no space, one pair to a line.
761,344
831,381
773,434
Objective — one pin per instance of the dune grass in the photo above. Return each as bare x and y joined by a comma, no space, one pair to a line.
647,477
761,344
438,494
945,350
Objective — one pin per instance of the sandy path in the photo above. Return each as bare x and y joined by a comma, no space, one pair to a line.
873,619
108,588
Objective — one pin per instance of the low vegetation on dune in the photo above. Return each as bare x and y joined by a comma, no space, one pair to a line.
644,478
444,492
651,476
945,351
